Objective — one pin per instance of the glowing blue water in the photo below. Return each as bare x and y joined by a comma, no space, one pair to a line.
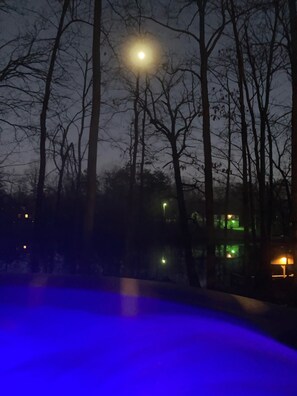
74,342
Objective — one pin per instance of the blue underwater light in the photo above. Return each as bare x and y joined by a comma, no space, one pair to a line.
57,341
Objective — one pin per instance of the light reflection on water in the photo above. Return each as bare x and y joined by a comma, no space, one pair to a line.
168,264
74,342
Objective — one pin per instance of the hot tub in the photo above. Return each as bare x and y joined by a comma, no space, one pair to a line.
60,336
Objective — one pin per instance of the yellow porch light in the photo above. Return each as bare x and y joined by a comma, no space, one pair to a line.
286,259
283,260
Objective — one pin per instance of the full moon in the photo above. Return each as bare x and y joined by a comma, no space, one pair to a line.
141,55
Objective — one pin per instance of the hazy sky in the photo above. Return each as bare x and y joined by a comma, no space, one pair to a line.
119,123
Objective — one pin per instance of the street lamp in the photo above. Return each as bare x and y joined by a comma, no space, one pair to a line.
164,209
163,260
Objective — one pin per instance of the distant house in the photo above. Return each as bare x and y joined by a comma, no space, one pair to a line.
233,222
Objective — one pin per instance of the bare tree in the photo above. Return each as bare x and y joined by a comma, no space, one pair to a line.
190,21
93,134
39,223
172,109
264,61
21,61
293,59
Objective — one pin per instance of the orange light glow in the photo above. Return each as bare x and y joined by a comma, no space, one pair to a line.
283,260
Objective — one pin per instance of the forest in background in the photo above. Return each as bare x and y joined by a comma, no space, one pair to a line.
213,111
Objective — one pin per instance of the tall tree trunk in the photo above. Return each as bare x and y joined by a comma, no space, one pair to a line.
263,101
227,190
244,134
74,252
39,231
270,200
209,210
252,220
140,229
142,162
90,204
84,106
183,218
293,29
130,245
